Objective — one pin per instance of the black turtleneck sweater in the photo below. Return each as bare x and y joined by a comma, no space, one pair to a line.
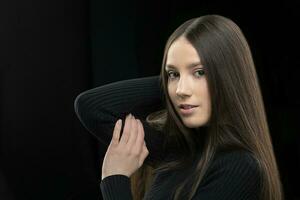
233,175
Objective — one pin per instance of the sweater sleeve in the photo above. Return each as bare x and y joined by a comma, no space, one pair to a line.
99,108
116,187
234,176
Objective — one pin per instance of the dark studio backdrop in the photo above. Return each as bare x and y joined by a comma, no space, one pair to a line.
52,50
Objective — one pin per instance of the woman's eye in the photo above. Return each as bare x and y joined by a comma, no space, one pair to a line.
199,72
170,73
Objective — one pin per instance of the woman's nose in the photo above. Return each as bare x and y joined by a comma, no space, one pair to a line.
183,89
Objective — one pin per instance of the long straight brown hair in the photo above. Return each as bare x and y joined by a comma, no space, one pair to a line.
238,118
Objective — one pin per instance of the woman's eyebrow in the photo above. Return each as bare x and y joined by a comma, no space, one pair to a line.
192,65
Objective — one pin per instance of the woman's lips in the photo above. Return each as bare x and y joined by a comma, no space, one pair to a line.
186,106
188,111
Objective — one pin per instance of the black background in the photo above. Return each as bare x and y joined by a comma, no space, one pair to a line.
52,50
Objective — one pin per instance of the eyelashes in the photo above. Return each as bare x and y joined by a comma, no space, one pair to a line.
200,72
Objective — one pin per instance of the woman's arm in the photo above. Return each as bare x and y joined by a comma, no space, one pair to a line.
116,187
99,108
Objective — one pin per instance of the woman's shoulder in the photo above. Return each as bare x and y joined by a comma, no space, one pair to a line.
233,174
240,162
236,157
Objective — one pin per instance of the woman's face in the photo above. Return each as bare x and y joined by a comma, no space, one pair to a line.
187,83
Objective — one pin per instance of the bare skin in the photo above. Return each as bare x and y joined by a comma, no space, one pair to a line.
126,156
188,85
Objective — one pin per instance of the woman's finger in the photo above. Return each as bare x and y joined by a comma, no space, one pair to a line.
133,133
140,137
126,130
144,154
116,132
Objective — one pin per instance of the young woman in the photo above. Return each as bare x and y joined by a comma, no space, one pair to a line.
197,131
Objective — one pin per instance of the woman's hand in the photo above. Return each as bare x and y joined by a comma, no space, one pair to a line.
127,155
